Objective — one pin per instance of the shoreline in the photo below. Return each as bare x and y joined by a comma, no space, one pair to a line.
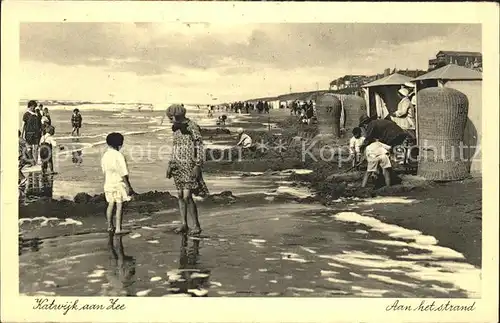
454,224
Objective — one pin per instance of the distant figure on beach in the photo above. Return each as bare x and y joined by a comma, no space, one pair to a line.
46,120
221,120
355,145
47,146
76,122
32,130
46,115
210,114
245,140
45,125
309,112
185,167
117,188
303,118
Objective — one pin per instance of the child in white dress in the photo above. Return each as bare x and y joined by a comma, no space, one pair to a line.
117,188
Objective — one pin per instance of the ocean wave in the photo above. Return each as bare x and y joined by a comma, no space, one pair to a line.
101,142
83,136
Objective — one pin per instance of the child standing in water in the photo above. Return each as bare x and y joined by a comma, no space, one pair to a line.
47,147
117,188
76,122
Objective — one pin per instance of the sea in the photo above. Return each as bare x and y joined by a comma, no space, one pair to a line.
147,146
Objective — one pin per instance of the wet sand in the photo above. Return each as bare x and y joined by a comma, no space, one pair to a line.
282,234
252,246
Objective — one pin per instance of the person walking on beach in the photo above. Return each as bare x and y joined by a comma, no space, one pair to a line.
117,188
185,166
76,122
32,130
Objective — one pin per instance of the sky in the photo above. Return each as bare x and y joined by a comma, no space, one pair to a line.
201,62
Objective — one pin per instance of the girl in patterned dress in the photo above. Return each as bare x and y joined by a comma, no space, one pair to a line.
185,166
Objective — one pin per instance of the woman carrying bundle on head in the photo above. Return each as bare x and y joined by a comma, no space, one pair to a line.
185,165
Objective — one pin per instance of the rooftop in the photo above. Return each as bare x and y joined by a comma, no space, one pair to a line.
451,72
393,79
459,53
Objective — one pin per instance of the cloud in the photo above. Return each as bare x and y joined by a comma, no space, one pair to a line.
184,61
149,49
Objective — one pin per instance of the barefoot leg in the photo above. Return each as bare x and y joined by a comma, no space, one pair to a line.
183,212
109,216
193,211
119,217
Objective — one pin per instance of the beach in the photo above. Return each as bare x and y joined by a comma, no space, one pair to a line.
274,225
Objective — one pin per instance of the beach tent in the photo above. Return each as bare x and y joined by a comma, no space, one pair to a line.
469,82
382,95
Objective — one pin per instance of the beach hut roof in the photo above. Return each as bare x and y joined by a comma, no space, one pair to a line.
451,72
393,79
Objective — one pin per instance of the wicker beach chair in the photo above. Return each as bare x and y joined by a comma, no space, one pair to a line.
442,117
354,106
329,109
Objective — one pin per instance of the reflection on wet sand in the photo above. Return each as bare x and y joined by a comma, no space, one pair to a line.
189,278
38,185
121,272
76,152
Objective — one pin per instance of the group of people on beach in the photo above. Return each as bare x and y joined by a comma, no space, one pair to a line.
36,138
375,139
305,111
